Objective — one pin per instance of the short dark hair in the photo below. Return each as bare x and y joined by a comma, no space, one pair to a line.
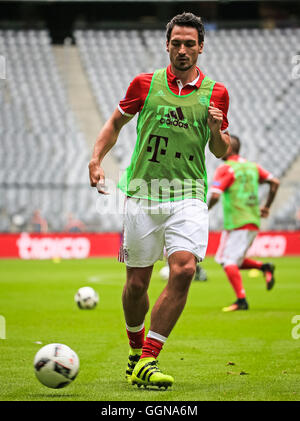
186,19
235,143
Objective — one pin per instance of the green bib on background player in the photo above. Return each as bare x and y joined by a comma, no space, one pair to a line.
240,200
168,162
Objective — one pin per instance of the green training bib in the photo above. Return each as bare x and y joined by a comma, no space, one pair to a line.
240,200
168,162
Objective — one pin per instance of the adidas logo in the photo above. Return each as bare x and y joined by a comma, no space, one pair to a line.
160,93
174,118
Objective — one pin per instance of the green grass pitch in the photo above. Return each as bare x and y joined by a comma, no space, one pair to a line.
241,356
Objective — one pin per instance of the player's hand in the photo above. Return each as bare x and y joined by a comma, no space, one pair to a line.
97,177
264,212
214,118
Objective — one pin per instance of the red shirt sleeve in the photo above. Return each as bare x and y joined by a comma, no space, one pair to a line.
263,174
220,98
223,179
136,94
138,89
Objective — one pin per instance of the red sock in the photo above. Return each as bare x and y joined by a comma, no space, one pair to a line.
136,339
151,348
251,264
234,276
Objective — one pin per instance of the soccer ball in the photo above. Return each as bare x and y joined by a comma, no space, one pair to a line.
164,273
86,298
56,365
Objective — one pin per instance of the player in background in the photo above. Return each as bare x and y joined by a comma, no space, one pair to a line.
237,180
74,224
180,111
38,222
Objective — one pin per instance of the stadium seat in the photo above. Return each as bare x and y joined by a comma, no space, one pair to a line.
256,72
36,118
51,172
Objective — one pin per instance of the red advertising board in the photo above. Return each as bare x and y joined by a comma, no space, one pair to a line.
63,245
266,244
83,245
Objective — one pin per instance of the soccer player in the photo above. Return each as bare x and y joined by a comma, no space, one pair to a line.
180,111
39,224
74,224
237,180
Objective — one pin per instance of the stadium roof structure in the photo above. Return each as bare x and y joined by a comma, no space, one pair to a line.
143,1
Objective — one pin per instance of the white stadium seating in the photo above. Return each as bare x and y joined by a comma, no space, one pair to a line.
254,64
44,155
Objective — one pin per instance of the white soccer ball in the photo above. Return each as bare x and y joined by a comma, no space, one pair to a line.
86,298
56,365
164,273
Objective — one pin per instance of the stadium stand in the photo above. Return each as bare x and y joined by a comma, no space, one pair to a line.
44,154
254,65
287,216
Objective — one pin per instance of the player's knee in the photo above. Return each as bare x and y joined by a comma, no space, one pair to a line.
180,279
183,271
136,287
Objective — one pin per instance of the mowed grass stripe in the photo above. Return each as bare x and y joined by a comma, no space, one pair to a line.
248,355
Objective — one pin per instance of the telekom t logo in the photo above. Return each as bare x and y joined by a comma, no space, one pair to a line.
156,144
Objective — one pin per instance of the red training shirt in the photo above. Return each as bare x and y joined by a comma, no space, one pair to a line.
138,90
224,178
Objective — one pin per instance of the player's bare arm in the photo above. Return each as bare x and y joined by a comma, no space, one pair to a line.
219,142
213,200
105,141
274,184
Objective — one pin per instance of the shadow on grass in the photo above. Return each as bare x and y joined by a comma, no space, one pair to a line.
151,389
54,395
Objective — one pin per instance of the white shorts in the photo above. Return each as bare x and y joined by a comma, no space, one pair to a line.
233,246
150,226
